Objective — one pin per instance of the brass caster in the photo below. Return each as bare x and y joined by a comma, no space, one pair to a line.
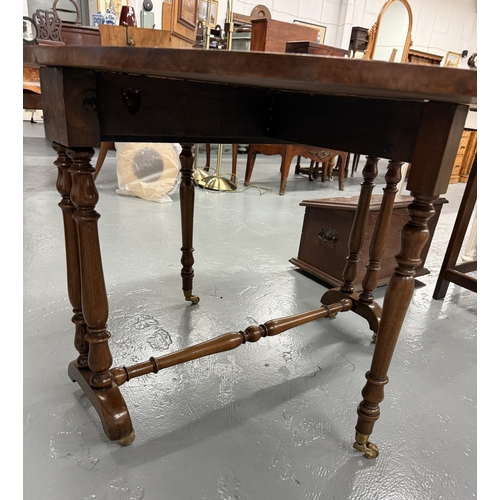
362,444
128,440
188,296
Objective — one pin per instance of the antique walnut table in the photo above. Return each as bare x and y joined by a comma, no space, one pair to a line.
400,112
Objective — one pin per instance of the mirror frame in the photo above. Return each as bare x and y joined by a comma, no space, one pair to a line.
373,32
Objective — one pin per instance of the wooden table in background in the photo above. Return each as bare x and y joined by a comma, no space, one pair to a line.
402,112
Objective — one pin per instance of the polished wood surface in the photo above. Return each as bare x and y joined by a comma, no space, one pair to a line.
315,74
112,35
402,112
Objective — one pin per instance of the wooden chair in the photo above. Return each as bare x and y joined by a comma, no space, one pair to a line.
288,152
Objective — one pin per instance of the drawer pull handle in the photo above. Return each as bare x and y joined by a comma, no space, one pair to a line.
328,235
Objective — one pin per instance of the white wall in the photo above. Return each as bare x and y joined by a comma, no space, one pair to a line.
439,26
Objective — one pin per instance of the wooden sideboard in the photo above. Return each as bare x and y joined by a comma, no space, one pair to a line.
419,57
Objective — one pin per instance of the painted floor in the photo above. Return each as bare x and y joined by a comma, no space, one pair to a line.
270,420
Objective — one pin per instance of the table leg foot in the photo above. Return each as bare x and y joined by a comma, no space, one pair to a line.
109,404
188,295
363,445
128,440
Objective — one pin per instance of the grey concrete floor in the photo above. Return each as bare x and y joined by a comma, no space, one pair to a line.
269,420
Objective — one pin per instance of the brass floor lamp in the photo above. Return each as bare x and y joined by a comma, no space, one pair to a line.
215,182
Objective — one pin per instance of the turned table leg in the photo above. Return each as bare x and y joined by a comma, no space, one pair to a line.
377,245
396,301
186,192
95,378
63,185
356,238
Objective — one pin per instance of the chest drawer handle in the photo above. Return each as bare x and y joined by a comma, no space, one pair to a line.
328,235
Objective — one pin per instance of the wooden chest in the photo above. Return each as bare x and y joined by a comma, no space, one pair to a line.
325,236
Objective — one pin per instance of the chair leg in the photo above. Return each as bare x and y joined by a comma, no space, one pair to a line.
285,169
251,155
207,165
234,162
103,151
297,166
355,161
341,172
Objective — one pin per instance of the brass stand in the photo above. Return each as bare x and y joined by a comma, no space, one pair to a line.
200,174
217,182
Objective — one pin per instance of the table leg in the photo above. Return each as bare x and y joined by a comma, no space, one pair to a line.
377,245
94,378
356,238
63,185
396,301
186,192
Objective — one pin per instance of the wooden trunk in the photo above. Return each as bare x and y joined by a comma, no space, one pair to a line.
325,236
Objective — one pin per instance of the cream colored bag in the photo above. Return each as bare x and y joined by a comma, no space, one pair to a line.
148,170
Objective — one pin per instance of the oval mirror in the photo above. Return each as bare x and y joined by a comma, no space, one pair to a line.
390,36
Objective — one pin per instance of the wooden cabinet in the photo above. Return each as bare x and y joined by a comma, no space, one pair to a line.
269,35
325,236
358,41
465,157
179,18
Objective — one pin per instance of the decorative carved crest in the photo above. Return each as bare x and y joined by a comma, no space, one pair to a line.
48,25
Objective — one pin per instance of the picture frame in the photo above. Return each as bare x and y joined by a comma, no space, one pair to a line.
452,60
202,11
322,29
187,13
104,5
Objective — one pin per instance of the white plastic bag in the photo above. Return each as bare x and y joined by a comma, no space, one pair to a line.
148,170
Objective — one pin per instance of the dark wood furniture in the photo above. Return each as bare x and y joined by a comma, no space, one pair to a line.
410,112
269,35
358,41
452,271
324,242
319,49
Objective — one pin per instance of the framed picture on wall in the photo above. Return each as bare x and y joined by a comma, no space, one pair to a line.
187,13
321,29
202,11
452,59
